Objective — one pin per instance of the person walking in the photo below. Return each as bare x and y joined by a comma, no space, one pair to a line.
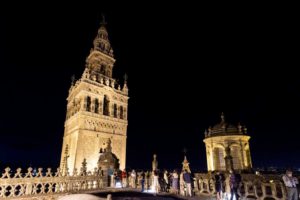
291,183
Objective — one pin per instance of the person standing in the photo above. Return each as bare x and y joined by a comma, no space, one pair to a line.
234,183
124,178
219,185
188,182
155,182
147,180
143,181
290,183
175,181
133,179
182,185
166,180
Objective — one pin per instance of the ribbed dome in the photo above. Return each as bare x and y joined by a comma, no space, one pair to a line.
224,128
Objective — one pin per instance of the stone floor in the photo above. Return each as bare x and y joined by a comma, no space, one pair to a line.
119,194
136,195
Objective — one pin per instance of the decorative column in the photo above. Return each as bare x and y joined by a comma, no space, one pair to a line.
242,152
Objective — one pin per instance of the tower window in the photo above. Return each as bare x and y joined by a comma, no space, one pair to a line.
106,106
115,111
88,104
121,112
96,106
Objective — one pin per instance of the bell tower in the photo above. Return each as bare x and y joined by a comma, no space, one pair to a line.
96,110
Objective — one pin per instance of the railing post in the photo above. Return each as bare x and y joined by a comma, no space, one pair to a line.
28,190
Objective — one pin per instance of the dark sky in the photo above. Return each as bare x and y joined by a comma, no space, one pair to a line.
186,64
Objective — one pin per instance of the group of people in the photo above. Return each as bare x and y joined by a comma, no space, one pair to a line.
156,181
234,179
182,184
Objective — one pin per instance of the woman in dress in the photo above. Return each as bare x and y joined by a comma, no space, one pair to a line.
175,181
155,182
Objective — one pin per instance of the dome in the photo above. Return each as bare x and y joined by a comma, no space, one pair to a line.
224,128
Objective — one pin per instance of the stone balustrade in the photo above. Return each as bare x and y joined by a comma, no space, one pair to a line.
47,183
252,186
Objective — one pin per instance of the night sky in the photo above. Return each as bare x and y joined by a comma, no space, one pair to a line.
185,63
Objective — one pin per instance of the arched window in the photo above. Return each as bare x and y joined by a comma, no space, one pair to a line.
219,161
108,73
96,106
115,111
103,71
88,104
121,112
106,105
236,157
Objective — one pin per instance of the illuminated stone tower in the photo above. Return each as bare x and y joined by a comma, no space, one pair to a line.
227,147
96,111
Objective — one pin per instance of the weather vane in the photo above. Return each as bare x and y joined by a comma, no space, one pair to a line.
184,151
72,79
103,22
125,77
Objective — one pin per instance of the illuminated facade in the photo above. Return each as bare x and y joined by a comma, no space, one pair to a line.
227,147
96,111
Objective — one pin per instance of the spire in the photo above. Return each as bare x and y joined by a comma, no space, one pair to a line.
185,165
125,88
101,58
101,42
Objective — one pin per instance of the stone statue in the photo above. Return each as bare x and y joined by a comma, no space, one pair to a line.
228,159
154,163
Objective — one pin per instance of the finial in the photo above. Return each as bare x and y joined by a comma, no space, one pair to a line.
103,22
222,117
184,151
205,133
125,78
245,130
239,127
73,79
